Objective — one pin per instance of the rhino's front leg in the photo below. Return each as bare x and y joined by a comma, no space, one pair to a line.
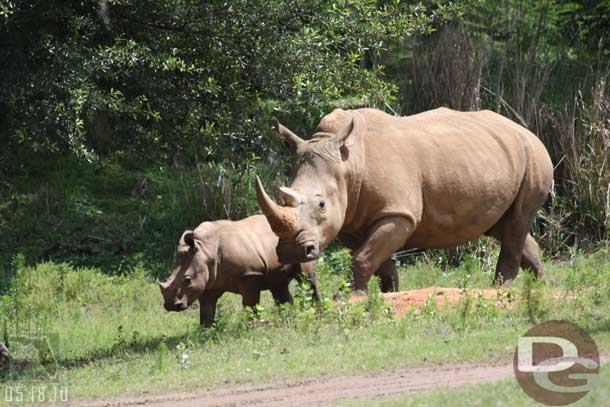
207,307
387,236
250,289
388,276
281,294
309,270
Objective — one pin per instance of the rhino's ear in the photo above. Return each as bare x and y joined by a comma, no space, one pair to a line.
292,140
188,238
292,197
343,135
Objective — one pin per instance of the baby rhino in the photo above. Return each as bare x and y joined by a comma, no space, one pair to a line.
235,256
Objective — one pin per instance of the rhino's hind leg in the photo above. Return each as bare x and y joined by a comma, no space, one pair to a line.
512,233
509,261
519,249
530,259
388,277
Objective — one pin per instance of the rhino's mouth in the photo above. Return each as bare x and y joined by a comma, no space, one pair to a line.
302,249
308,244
311,251
176,305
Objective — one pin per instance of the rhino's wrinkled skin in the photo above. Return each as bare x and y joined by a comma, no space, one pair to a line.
431,180
235,256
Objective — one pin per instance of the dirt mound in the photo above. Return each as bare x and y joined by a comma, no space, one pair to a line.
404,301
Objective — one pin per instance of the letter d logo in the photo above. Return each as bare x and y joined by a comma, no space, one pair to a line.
556,363
526,354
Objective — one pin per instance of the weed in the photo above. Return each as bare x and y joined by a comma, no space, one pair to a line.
375,305
532,299
183,355
135,341
465,309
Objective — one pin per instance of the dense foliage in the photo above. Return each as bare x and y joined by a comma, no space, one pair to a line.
95,78
96,94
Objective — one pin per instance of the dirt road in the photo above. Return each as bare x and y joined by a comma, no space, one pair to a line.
321,390
329,389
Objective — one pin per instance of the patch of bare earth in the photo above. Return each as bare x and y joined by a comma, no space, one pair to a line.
321,390
404,301
413,300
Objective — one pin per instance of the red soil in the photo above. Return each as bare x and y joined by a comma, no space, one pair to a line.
404,301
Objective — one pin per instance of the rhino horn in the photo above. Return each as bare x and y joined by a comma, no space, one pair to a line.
163,286
292,140
280,218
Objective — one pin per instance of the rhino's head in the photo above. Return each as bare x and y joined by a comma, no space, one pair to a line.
315,204
196,261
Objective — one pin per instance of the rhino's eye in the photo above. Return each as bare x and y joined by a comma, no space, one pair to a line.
322,205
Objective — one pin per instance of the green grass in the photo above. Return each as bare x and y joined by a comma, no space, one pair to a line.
505,393
115,338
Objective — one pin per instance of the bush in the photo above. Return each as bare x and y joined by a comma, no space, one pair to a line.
90,218
122,78
38,292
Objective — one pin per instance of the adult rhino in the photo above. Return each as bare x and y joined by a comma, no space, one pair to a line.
432,180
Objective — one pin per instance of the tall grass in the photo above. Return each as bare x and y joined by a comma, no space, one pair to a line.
531,78
446,70
579,138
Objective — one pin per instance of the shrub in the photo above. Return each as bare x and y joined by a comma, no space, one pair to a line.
579,137
446,70
40,293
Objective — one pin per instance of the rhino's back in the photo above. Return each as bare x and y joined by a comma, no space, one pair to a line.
248,244
454,173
